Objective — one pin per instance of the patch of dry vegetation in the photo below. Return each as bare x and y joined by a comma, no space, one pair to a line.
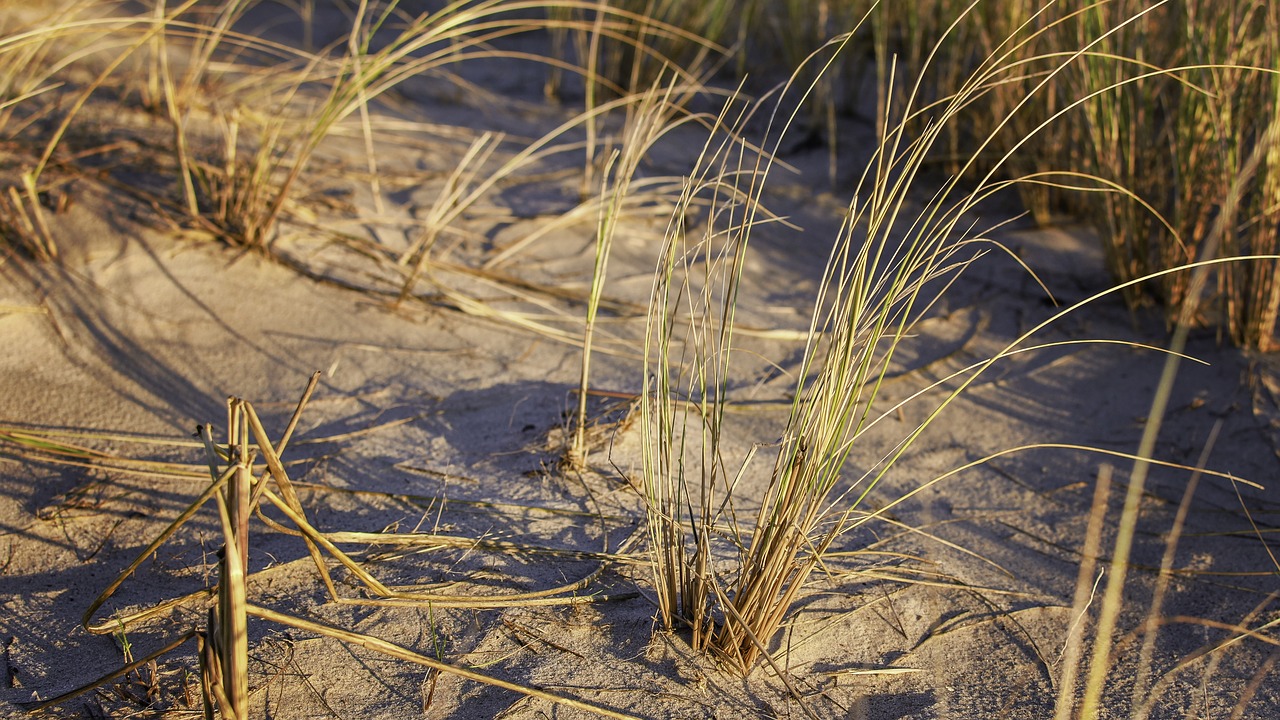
1171,136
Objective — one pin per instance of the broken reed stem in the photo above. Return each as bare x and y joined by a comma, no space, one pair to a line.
328,542
228,652
223,648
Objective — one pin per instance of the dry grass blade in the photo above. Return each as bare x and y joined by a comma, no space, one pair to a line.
105,627
428,540
433,500
47,447
1086,587
401,653
875,671
1212,653
120,672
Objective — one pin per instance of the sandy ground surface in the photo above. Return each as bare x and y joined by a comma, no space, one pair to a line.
431,418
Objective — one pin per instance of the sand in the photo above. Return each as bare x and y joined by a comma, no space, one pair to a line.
431,417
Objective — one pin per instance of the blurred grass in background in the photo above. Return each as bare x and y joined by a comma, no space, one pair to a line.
1194,90
1200,89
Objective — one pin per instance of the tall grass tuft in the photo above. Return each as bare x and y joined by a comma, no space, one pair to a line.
885,271
733,583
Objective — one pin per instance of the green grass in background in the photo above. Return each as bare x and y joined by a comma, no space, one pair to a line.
1183,95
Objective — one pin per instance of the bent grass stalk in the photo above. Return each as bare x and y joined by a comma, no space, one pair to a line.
648,121
1164,580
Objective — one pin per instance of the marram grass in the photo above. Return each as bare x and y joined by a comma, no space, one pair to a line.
1174,101
887,267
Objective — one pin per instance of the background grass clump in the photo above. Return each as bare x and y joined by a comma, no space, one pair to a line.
1173,104
1168,107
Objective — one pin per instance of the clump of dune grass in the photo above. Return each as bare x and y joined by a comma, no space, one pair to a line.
1174,102
264,155
887,268
26,70
884,273
1177,102
248,114
38,47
